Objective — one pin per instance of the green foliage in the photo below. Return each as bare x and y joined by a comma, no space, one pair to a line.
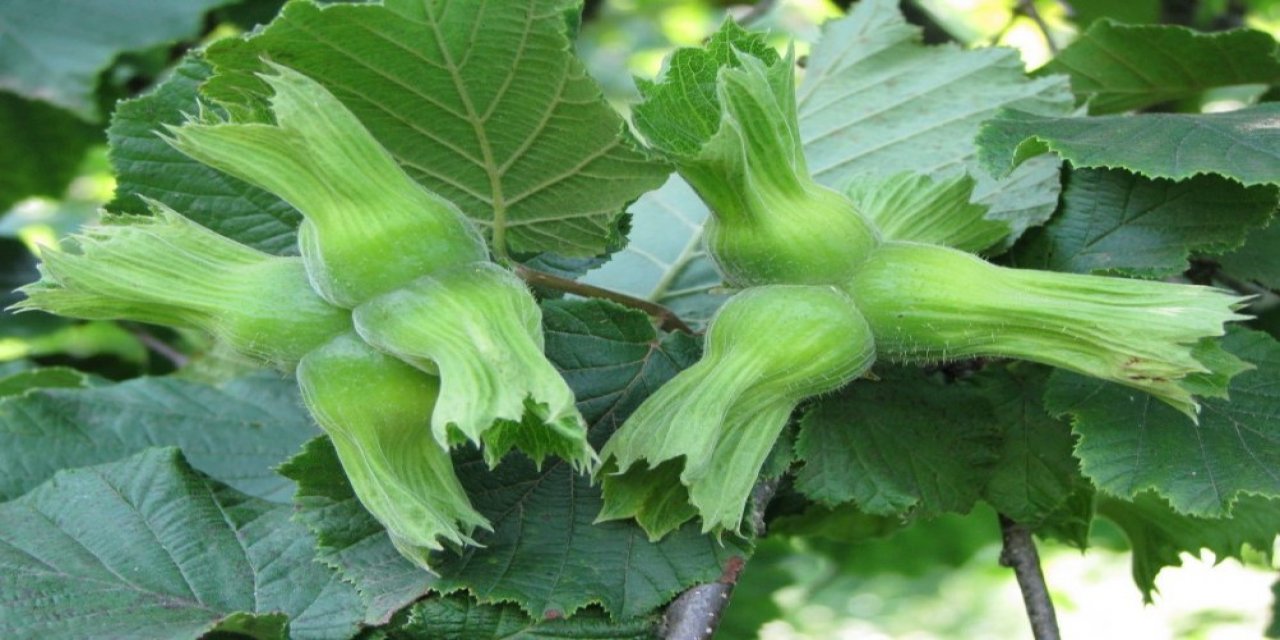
1243,145
1116,67
234,432
1129,444
1119,222
148,548
425,161
905,444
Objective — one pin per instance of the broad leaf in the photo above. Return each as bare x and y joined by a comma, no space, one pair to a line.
235,432
1258,259
348,538
1036,480
1117,67
1243,145
1159,535
876,101
1116,221
904,443
484,104
55,51
148,548
1130,442
147,166
458,618
43,147
665,260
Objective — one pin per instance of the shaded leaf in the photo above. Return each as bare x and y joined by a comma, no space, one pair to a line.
147,166
484,104
55,51
459,618
906,443
43,147
876,101
1130,442
235,432
21,382
916,208
1243,145
1036,480
1116,221
148,548
1159,534
1258,259
1118,67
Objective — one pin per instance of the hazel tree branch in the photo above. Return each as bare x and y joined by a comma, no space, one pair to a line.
667,319
1019,553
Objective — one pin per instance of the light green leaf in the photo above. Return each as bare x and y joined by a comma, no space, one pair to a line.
916,208
235,432
55,51
1116,221
455,618
666,260
148,166
1130,442
348,538
1243,145
1117,67
43,147
1159,535
484,105
876,101
148,548
906,443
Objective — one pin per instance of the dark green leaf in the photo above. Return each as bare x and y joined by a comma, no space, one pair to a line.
1036,476
544,553
1243,145
904,443
148,548
348,538
43,147
1258,259
483,104
1130,442
1118,67
148,166
1159,534
458,618
876,101
1116,221
235,432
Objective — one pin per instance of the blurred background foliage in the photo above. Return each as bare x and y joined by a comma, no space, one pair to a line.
821,574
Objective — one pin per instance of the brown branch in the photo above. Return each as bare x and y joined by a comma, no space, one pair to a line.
161,348
667,319
696,613
1020,554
